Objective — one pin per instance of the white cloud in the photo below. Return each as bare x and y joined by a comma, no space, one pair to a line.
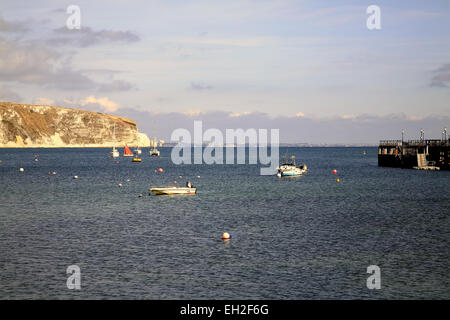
193,112
239,114
103,103
44,101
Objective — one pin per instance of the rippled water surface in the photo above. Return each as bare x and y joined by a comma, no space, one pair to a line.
308,237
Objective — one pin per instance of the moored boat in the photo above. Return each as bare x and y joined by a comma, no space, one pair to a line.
289,168
173,190
127,152
114,153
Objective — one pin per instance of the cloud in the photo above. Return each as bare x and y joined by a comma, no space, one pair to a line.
193,112
116,85
29,62
200,86
104,104
86,37
239,114
441,76
44,101
360,129
8,26
9,95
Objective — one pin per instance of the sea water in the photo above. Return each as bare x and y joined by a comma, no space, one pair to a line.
307,237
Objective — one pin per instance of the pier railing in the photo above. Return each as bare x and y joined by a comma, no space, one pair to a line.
414,143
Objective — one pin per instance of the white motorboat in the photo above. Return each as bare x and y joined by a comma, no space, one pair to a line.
154,152
289,168
173,190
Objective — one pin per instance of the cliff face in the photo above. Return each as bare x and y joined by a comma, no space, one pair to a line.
25,125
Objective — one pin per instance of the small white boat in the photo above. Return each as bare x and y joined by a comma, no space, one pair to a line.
114,153
290,169
154,152
173,190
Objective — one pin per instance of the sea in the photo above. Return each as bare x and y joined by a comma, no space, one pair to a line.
306,237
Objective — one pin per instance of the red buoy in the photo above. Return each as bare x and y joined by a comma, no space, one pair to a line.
160,170
334,171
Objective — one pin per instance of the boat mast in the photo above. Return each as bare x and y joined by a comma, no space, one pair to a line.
114,137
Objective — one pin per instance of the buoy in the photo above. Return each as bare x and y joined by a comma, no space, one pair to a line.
128,180
198,176
140,195
175,182
49,173
117,162
75,177
334,171
120,185
21,170
54,172
178,176
160,170
36,160
337,180
226,236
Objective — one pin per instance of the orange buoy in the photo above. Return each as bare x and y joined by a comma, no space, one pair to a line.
226,236
334,171
337,180
160,170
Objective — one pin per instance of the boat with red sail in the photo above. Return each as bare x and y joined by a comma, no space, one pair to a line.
127,152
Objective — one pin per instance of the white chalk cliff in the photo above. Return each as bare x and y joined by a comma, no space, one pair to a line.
39,126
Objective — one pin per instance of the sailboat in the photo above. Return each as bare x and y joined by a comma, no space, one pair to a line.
137,150
127,152
154,152
114,153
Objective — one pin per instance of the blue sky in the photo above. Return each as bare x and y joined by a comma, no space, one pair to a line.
293,65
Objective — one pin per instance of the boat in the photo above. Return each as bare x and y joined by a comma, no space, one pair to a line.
137,150
173,190
127,152
114,153
289,168
154,152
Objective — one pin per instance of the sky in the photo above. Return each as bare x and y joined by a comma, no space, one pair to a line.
309,68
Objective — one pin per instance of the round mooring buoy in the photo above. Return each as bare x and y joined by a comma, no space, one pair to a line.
334,171
226,236
21,170
119,185
337,180
160,170
75,177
